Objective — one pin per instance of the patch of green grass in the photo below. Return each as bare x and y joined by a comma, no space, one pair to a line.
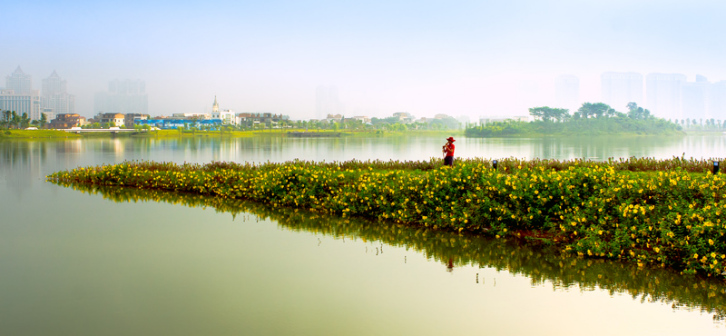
39,134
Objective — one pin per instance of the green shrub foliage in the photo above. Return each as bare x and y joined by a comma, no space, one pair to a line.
665,212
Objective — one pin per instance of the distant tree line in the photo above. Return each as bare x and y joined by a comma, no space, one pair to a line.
386,124
590,118
11,120
702,124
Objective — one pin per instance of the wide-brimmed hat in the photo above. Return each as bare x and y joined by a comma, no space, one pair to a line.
451,139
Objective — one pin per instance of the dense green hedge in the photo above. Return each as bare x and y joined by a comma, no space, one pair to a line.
601,210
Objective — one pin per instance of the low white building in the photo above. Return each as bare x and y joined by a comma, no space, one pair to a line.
227,116
334,118
363,119
112,119
192,115
404,117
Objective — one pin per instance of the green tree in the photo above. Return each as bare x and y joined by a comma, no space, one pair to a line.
596,110
638,113
14,120
546,113
24,121
43,120
5,118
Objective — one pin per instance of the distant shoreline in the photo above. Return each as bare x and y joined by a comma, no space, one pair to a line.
297,133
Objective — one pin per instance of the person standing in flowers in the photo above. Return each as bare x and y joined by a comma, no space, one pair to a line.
448,151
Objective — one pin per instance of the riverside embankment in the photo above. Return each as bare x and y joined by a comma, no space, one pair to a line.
663,212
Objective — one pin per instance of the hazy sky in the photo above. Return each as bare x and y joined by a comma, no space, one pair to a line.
457,57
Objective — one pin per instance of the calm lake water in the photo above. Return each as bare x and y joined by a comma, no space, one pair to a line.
129,262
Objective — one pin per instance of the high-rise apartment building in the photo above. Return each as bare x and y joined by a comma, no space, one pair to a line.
695,98
55,98
20,103
19,96
19,82
664,93
620,88
717,101
327,102
123,96
567,92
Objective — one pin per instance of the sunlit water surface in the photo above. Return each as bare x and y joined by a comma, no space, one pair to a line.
118,262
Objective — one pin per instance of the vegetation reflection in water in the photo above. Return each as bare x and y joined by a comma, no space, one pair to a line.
541,264
643,210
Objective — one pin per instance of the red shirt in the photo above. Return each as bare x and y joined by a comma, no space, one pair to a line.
449,149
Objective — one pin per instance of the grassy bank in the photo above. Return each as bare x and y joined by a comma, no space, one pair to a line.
665,212
19,134
177,133
39,134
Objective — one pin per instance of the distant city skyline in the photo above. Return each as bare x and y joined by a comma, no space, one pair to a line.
668,96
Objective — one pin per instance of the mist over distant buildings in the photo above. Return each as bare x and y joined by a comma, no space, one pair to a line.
668,96
620,88
475,58
567,92
123,96
19,96
327,102
55,98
